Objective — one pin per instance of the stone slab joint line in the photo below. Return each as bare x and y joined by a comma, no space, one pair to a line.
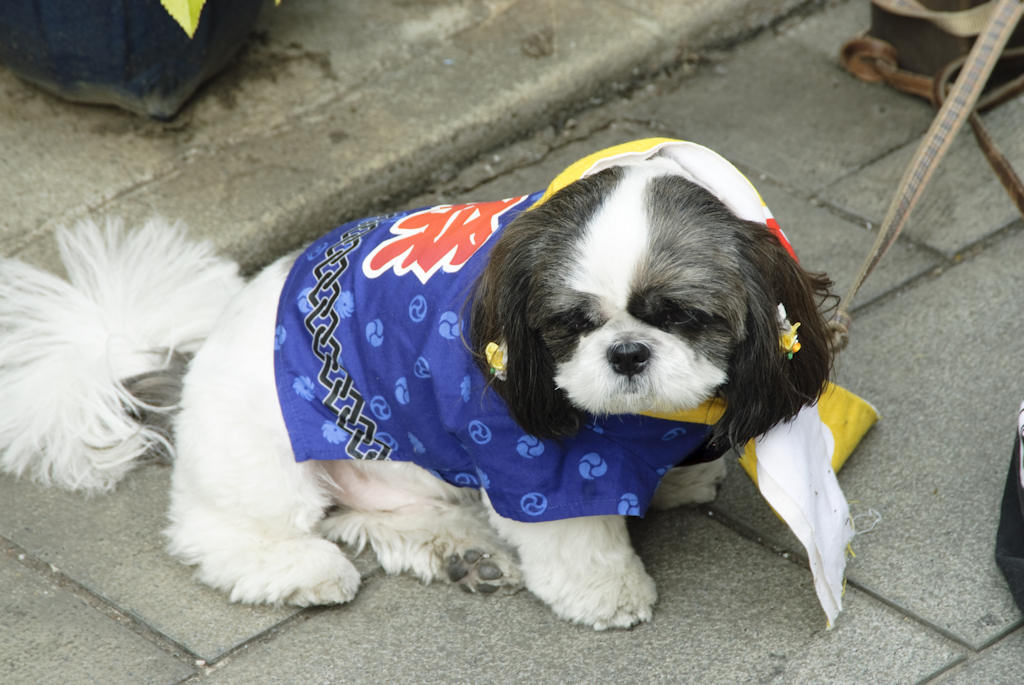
55,576
799,558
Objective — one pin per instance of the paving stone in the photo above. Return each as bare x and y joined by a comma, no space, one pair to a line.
753,16
58,156
532,163
935,361
825,32
825,242
306,54
963,202
113,546
46,630
1000,664
791,113
729,611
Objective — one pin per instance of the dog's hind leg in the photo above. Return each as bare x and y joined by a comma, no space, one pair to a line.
245,514
256,563
242,510
418,524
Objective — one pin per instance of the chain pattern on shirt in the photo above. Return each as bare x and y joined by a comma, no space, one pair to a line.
343,399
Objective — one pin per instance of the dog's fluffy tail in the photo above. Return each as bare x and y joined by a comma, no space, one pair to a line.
79,357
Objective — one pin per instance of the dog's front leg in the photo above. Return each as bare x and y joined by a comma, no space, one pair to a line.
584,568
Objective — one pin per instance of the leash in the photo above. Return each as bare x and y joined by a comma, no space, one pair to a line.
997,160
955,108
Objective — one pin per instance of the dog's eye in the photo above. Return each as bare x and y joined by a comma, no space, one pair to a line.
687,317
669,315
575,321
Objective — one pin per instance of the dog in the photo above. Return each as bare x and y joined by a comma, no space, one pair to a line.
473,391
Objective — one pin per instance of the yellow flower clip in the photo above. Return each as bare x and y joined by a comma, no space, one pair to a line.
788,340
495,355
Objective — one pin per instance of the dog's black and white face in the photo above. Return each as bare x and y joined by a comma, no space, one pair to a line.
636,290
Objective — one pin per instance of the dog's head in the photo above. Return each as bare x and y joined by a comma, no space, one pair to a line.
635,290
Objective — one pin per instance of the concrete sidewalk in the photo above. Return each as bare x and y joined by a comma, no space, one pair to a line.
341,108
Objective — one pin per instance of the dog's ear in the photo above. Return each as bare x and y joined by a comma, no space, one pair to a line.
766,385
501,313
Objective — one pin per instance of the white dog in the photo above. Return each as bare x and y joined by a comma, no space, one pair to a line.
462,388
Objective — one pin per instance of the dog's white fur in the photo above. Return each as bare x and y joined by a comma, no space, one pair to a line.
242,510
66,344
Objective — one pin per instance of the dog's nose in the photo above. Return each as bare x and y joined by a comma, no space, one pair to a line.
628,358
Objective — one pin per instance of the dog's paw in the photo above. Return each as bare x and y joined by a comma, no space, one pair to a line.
300,572
690,485
612,597
482,572
629,600
338,588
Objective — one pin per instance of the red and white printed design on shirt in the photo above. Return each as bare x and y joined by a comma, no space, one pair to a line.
442,237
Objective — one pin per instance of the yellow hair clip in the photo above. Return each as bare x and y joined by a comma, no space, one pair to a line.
788,340
495,355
